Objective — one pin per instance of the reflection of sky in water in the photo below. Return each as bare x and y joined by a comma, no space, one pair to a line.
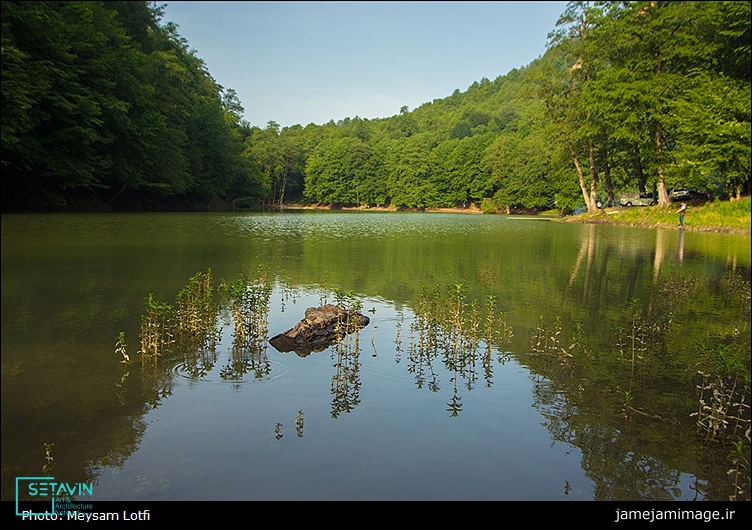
217,441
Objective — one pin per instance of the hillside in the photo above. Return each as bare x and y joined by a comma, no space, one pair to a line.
105,107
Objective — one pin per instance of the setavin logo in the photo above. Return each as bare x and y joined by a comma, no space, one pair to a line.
47,488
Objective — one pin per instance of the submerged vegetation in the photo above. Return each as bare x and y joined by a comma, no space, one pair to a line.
710,375
457,341
453,330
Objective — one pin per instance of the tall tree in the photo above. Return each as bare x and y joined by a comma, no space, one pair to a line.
553,88
714,138
579,125
60,103
652,47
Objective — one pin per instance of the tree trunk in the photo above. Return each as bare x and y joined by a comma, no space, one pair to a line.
282,190
662,193
593,204
580,175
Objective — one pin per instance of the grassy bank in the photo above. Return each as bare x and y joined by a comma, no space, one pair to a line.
715,216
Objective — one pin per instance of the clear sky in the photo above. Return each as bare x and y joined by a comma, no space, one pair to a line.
309,62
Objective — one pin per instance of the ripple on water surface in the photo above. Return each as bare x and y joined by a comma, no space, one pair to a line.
238,369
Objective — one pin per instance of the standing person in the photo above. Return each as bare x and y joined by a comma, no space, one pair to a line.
681,213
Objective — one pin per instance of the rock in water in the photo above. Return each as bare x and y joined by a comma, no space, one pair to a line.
321,327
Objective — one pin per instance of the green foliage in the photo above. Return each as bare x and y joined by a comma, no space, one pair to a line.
341,171
105,99
100,98
487,205
407,174
714,134
280,158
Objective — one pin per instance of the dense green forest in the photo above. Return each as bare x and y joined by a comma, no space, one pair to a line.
105,106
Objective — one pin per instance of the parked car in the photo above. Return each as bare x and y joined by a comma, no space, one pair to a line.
688,194
680,194
636,199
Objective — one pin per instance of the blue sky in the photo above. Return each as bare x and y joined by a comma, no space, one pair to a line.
309,62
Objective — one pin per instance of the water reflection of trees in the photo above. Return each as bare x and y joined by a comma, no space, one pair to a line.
186,335
345,386
623,402
647,405
248,301
451,329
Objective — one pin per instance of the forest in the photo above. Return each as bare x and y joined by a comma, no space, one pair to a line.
105,107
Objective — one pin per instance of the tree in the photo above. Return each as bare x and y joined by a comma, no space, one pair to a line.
554,90
59,99
714,138
101,100
576,118
521,171
264,146
651,48
327,177
407,170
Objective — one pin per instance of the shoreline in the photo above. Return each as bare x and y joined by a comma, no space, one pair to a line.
469,210
584,218
701,228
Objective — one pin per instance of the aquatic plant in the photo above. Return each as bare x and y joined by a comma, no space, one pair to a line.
723,417
503,335
737,291
632,345
723,406
638,343
196,314
156,333
373,340
120,348
544,339
398,339
289,289
740,467
351,305
191,326
197,331
248,300
49,460
345,383
458,331
299,424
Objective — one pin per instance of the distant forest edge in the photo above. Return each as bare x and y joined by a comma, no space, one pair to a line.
105,107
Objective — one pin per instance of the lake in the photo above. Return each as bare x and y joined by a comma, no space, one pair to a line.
506,358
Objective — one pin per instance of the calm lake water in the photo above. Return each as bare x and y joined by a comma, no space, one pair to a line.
580,383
